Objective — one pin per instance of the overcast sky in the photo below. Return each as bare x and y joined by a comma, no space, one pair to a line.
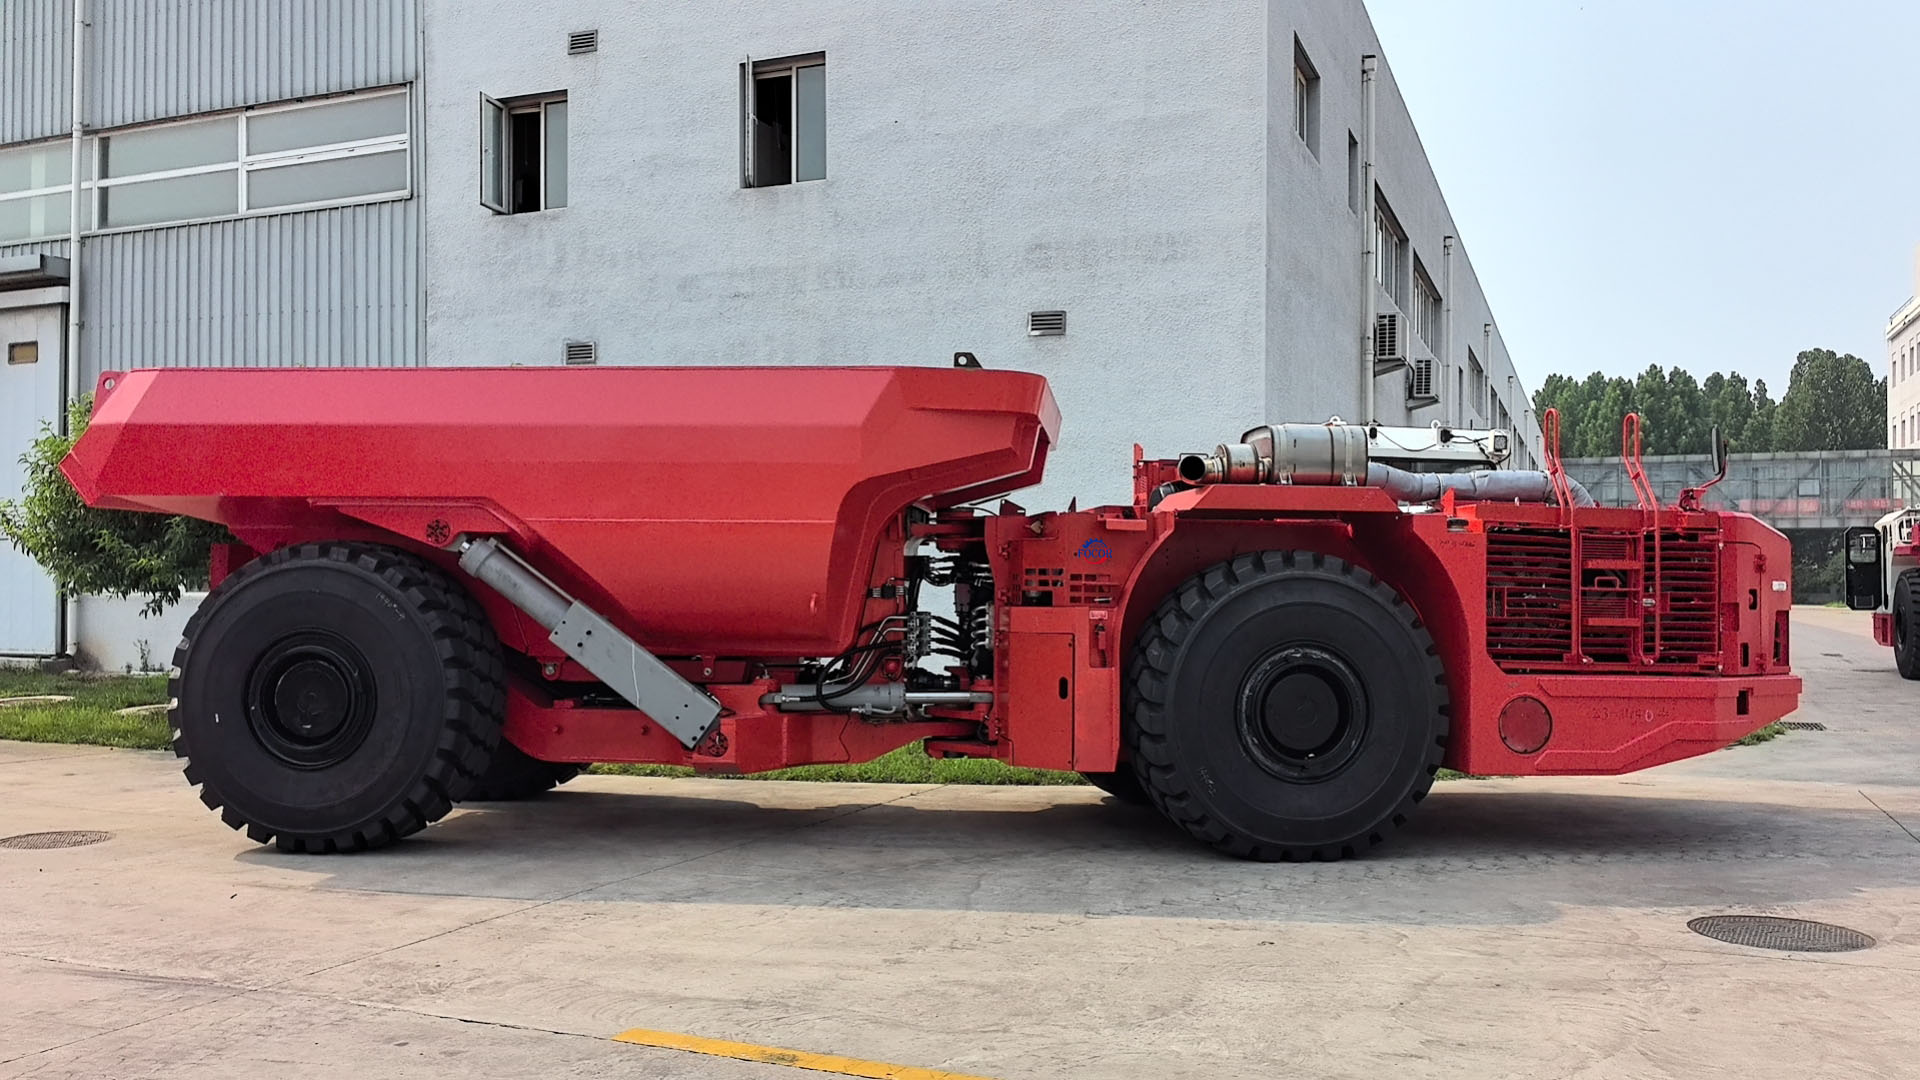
1716,184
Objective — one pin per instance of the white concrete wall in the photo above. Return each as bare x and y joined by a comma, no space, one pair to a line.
986,158
1135,166
1315,270
107,633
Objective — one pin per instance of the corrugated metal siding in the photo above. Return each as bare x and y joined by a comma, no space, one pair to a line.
318,288
36,69
324,288
148,60
152,59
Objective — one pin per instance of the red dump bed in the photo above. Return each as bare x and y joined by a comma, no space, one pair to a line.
728,510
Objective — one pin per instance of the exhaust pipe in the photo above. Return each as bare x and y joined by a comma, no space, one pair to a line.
1337,454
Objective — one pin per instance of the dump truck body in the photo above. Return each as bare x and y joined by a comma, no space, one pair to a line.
773,538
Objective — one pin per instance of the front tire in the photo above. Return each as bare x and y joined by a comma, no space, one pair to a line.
336,697
1906,635
1286,705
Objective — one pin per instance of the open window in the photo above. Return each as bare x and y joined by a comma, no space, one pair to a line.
523,153
784,133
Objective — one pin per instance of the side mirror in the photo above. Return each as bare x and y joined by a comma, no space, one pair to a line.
1717,456
1866,579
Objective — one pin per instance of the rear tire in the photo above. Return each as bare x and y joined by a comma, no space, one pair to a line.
515,774
1906,635
1124,786
336,697
1286,705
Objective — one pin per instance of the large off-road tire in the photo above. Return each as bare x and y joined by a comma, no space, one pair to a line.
515,774
336,697
1286,705
1123,785
1906,633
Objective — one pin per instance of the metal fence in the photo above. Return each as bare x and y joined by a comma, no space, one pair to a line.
1829,489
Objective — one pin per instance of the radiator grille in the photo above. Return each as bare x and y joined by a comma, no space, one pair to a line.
1602,601
1529,598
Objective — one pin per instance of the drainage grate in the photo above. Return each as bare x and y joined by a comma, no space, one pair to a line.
1768,932
1801,725
35,841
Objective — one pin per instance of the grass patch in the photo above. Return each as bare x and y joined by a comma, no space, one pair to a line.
90,717
907,765
1765,734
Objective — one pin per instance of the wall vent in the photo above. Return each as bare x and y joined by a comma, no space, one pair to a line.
1389,342
1420,386
583,41
1046,323
581,352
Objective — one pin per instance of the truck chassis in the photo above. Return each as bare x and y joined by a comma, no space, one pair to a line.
450,584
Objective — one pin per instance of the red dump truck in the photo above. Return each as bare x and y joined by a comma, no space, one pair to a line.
454,584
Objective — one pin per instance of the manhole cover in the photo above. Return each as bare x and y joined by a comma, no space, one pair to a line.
1802,725
1768,932
34,841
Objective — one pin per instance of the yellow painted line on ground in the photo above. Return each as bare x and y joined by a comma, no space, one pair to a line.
774,1055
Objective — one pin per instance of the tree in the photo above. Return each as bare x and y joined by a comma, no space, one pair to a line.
117,552
1833,402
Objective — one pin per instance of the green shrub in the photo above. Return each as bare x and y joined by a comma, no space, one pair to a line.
116,552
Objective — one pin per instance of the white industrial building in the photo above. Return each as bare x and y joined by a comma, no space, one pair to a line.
1192,218
1903,370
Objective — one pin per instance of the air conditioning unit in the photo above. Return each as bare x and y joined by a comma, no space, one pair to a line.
1389,342
1421,388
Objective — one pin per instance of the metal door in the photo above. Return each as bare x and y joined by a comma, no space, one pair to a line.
31,355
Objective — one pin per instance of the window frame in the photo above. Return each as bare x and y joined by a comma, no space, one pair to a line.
1427,303
509,108
1389,236
751,72
1306,98
92,183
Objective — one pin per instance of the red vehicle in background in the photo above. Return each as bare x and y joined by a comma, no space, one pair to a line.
468,583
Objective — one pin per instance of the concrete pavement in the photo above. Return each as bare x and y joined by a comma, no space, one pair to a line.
1515,928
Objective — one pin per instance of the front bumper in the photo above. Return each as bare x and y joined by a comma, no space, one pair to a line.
1606,725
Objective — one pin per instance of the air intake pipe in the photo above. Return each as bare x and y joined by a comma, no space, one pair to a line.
1337,454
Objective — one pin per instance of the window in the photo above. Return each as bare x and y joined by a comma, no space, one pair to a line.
1306,99
1390,247
23,352
1353,173
523,153
271,159
1426,306
784,134
1478,376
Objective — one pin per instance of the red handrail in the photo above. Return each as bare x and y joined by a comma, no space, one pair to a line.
1556,471
1630,458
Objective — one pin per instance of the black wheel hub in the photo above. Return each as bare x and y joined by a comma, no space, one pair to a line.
310,699
1302,713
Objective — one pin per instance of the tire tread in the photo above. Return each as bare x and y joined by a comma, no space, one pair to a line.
470,664
1146,722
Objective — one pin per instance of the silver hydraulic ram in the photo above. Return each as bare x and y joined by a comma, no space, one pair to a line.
873,698
683,709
